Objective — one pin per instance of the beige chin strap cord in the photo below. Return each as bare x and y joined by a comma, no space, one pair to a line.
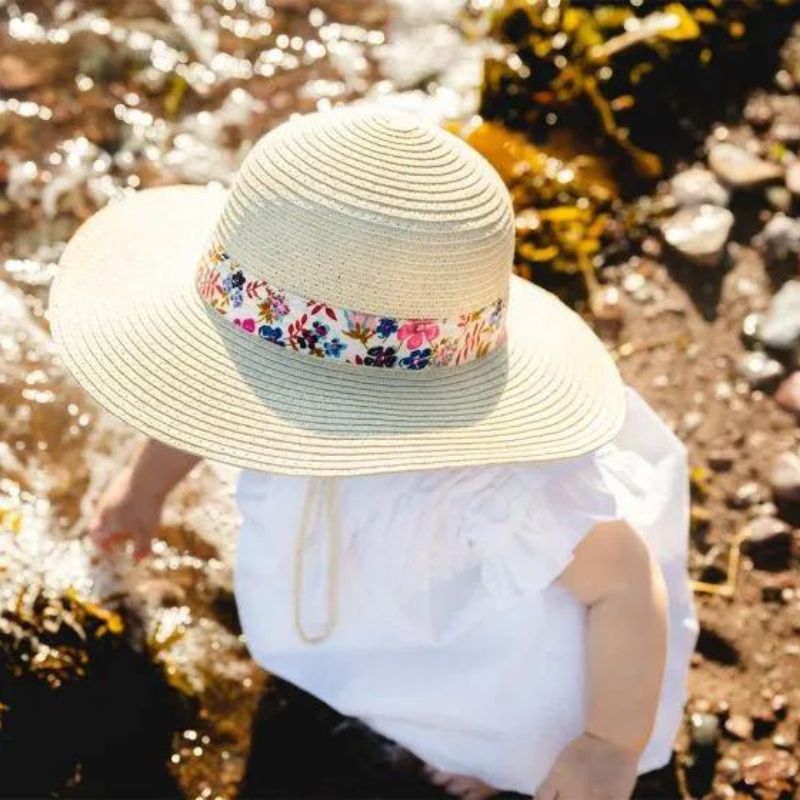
320,491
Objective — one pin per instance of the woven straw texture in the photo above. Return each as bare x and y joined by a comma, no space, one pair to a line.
364,210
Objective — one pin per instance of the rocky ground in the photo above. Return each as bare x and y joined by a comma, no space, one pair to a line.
139,674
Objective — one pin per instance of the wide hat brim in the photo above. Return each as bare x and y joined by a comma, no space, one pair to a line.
134,331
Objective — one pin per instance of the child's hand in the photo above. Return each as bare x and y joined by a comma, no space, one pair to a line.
590,768
123,514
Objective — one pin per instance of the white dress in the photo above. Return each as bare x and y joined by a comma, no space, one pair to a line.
450,635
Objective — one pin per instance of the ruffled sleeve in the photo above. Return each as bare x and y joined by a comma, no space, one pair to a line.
484,538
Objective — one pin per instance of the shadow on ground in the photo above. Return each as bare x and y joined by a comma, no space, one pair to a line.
302,748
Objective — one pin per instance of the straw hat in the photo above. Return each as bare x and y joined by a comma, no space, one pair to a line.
347,307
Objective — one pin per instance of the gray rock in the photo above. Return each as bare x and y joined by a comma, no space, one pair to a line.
699,233
784,477
696,185
780,325
780,237
739,168
759,370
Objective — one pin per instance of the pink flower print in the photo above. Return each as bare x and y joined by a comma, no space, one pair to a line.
248,324
417,332
280,306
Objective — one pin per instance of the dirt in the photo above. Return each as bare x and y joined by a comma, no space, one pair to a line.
169,704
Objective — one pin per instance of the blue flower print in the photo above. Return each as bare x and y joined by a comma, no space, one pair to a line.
386,327
237,298
227,283
334,348
416,359
271,334
237,279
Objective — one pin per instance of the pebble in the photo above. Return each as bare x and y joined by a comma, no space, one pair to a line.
768,543
768,767
779,197
758,111
691,421
739,726
780,327
607,312
697,185
787,132
780,237
737,167
699,233
749,494
751,325
793,178
788,394
759,370
705,729
784,477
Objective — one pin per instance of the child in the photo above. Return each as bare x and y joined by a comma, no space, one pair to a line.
457,524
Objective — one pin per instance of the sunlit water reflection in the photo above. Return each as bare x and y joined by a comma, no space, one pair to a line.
98,100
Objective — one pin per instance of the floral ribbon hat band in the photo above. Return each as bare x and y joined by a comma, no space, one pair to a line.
347,306
284,319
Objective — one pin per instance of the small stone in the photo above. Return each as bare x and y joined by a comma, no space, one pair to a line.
739,726
779,705
739,168
768,543
759,370
758,111
696,186
691,421
728,766
783,742
651,246
633,282
769,766
786,124
780,327
784,477
787,395
749,494
780,237
699,233
787,132
751,325
607,312
779,197
705,729
793,178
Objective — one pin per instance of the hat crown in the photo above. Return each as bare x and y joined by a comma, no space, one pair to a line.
372,210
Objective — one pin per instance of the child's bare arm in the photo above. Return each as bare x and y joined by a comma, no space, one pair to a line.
616,577
130,507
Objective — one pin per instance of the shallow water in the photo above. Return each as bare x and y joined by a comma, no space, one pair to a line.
97,100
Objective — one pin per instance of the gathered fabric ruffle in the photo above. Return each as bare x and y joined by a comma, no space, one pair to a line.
489,538
439,550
